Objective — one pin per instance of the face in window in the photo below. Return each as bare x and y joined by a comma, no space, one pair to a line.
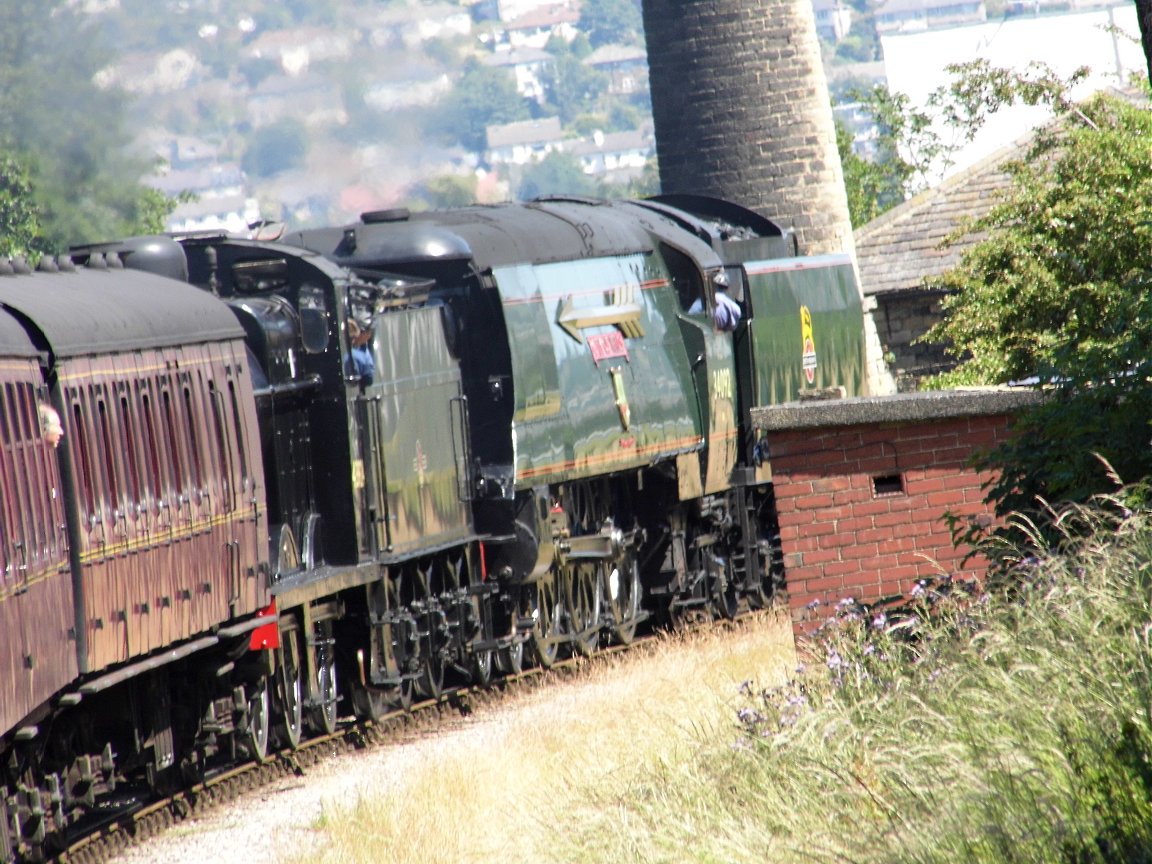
50,426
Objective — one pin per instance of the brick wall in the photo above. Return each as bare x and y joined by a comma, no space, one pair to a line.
862,506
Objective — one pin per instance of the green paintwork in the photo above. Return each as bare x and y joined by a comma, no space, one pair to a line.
773,344
420,460
567,423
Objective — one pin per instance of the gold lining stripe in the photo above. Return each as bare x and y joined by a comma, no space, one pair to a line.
606,459
162,536
646,285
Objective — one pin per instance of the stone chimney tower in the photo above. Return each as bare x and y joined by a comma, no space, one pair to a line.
742,112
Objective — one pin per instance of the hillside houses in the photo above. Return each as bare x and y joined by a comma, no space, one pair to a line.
616,156
902,16
526,65
626,67
524,142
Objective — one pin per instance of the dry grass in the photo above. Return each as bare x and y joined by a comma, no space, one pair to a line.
515,786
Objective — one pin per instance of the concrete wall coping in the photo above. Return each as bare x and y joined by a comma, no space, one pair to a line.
895,408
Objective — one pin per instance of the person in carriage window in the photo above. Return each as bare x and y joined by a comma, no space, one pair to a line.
50,427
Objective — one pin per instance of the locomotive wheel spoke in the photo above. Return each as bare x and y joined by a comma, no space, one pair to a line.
725,593
510,660
480,667
431,681
547,612
259,720
290,684
324,712
586,594
623,596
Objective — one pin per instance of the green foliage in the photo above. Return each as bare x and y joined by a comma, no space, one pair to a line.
555,174
18,212
570,86
611,22
279,146
914,145
448,190
872,186
68,134
1059,291
484,96
1005,727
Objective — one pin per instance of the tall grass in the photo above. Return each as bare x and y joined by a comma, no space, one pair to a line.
1011,725
1007,726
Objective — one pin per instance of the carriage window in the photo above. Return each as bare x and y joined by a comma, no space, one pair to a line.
111,478
129,451
190,423
258,277
221,446
313,310
85,459
152,457
173,443
241,447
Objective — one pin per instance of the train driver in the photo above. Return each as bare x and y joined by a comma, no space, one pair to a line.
726,311
361,364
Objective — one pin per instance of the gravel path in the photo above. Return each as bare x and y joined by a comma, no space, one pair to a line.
279,824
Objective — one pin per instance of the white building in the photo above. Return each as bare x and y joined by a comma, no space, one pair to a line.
904,16
614,153
525,141
526,65
833,19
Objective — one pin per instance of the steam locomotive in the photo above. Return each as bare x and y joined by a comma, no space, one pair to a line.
244,535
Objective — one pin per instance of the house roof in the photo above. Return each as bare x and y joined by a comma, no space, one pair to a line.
612,142
899,249
525,132
517,57
608,54
545,16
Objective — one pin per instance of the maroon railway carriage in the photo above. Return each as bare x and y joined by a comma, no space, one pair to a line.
137,546
37,658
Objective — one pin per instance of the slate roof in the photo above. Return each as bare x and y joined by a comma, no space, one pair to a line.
542,131
898,249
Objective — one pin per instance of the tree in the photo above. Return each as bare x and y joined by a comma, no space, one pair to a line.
611,22
873,185
67,133
448,190
279,146
570,86
1061,291
555,174
484,96
18,212
914,146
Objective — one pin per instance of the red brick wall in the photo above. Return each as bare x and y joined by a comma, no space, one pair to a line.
862,507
